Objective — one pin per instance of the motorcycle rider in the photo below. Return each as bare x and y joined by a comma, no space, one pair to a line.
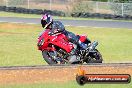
57,27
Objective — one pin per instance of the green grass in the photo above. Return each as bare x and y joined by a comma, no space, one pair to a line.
71,84
18,47
18,44
10,14
114,44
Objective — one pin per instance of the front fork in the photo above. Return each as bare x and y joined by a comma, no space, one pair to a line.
91,48
53,54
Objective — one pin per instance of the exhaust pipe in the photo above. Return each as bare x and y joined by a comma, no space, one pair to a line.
93,45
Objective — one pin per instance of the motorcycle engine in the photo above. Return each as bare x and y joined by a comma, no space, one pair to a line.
73,59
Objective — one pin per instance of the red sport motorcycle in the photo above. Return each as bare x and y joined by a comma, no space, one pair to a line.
56,49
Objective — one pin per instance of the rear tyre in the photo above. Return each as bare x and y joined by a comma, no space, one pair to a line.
47,58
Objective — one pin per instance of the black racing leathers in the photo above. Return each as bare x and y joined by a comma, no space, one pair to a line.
57,27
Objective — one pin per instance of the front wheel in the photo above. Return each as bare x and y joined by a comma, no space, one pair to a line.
95,57
48,58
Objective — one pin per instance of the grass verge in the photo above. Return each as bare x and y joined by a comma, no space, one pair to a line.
18,43
71,84
10,14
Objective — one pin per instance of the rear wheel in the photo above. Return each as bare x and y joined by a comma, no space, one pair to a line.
95,57
48,58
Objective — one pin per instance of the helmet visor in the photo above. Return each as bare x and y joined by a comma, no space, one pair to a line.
43,22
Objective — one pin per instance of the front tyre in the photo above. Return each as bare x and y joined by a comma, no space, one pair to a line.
48,58
95,57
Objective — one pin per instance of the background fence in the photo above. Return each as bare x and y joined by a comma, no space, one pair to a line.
70,6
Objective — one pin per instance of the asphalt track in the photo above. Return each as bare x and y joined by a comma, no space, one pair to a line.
66,66
81,23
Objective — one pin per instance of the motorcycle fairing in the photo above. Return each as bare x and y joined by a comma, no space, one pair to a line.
58,40
82,38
